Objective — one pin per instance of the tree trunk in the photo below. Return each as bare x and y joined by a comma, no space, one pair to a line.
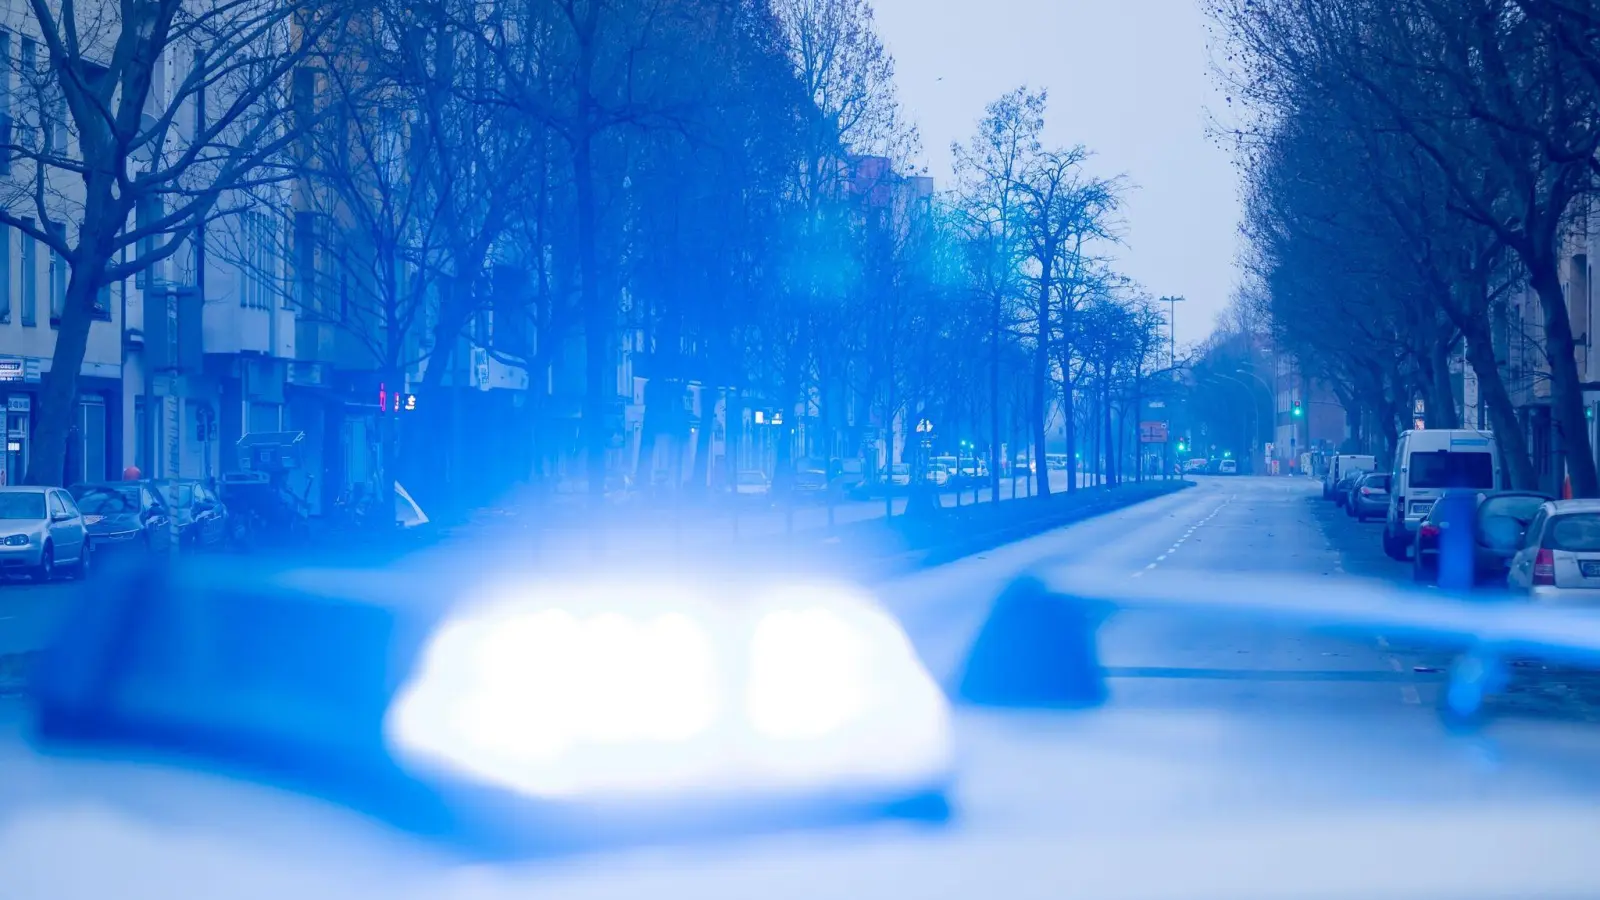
1105,400
1069,413
58,396
701,471
1441,397
996,336
1566,392
1513,444
596,316
1041,366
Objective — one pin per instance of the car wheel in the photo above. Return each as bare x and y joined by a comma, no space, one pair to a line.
80,569
46,570
1361,517
1392,547
1419,572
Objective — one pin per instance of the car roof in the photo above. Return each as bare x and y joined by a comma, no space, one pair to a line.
24,489
1570,506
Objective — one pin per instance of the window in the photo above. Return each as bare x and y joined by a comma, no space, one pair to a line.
5,267
1442,469
28,68
305,258
30,276
56,507
5,103
146,215
258,275
58,276
67,504
141,435
1575,533
21,505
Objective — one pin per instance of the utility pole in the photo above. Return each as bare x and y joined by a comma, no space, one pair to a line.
1172,302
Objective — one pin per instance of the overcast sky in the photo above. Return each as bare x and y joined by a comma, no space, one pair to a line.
1127,78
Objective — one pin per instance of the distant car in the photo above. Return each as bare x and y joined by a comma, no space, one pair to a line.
201,517
811,482
124,515
1558,561
1228,467
899,475
752,484
1196,466
1367,496
1499,524
41,531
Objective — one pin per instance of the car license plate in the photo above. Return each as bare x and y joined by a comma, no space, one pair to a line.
1590,569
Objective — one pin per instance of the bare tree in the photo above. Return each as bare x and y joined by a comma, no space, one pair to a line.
133,123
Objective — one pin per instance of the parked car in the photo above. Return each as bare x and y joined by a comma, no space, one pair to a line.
752,484
201,517
1196,466
1347,483
124,515
1426,464
1367,496
899,475
1228,467
41,532
1558,561
1342,465
1499,523
810,482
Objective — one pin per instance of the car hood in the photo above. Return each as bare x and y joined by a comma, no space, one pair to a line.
111,524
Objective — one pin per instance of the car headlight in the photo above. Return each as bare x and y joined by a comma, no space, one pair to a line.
17,540
810,688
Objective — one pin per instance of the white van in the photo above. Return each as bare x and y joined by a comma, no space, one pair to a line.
1426,463
1342,465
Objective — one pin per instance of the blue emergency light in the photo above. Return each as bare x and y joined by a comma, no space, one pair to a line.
561,713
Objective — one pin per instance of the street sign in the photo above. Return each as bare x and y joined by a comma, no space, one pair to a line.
1152,432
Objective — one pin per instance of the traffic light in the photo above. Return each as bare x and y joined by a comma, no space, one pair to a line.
1183,445
1298,409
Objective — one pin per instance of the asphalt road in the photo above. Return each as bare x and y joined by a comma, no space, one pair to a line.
1278,526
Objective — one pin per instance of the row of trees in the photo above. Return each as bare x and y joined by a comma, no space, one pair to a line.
1413,168
712,185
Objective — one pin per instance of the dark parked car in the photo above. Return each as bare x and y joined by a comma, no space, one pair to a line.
201,516
124,515
1368,496
1498,524
1347,483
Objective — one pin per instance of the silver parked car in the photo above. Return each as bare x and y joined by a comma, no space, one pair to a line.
42,530
1369,496
1559,560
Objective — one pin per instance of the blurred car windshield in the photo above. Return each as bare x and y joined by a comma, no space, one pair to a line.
1376,482
21,505
1442,469
1575,532
752,478
1520,507
103,500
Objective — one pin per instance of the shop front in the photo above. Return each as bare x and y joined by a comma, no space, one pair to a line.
91,452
